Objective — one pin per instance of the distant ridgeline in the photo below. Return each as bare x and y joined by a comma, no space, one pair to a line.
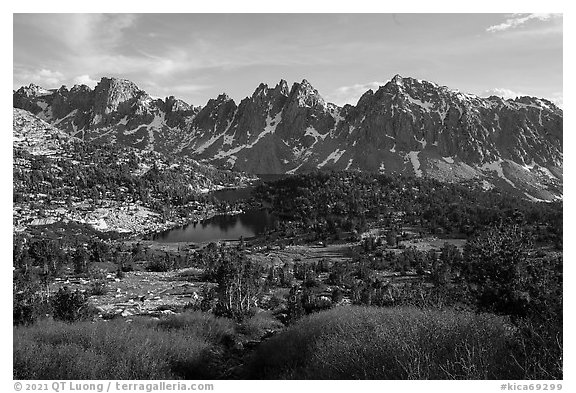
408,126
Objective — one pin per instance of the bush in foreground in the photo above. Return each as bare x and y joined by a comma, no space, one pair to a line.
205,325
400,343
117,350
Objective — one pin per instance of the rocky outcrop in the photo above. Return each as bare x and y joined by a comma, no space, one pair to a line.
36,136
115,95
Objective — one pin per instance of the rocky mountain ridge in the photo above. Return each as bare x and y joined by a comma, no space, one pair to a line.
407,126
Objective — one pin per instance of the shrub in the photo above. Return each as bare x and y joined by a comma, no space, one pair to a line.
211,328
116,350
260,325
69,306
401,343
98,287
160,265
28,306
496,270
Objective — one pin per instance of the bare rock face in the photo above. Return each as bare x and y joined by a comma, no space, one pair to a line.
111,93
177,112
407,126
36,136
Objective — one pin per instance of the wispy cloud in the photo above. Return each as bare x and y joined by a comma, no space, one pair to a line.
520,19
181,89
42,77
351,94
85,80
556,98
85,33
501,92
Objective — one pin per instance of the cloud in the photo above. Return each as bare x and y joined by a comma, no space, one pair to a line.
42,77
84,46
556,98
520,19
160,90
85,80
351,94
84,33
500,92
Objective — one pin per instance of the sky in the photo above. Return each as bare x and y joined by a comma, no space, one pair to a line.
195,57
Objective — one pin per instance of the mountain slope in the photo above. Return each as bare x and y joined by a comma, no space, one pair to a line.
407,126
58,178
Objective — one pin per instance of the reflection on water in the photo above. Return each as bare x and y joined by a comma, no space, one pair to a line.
224,227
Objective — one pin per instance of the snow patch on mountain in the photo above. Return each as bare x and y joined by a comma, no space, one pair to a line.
422,142
496,166
486,185
228,139
334,157
534,199
425,106
208,143
271,124
546,172
232,160
68,116
155,125
293,170
349,164
311,131
413,157
130,132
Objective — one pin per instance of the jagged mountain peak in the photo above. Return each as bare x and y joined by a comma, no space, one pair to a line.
409,84
262,89
305,87
304,94
110,93
397,79
77,88
32,90
265,93
223,97
540,102
282,87
115,80
174,104
112,84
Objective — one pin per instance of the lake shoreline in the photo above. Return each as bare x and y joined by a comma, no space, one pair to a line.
228,226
